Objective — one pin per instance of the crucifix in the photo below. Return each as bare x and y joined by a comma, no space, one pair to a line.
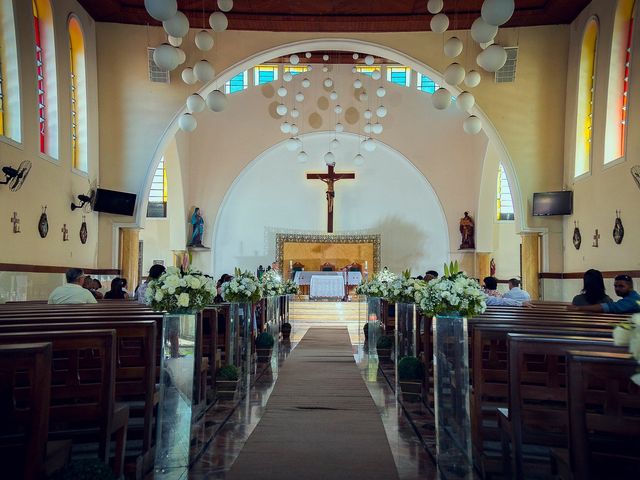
16,222
596,237
65,233
330,178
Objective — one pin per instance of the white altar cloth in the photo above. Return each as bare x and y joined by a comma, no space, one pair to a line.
304,277
327,286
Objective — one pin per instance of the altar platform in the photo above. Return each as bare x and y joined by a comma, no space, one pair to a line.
305,314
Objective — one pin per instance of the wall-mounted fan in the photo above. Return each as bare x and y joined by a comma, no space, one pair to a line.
635,173
86,200
15,177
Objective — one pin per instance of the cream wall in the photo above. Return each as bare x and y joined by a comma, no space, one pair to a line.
51,182
606,189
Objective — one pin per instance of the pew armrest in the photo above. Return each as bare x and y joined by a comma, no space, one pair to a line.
506,440
119,430
560,464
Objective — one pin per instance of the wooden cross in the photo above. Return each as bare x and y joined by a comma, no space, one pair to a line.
16,222
596,237
65,233
330,178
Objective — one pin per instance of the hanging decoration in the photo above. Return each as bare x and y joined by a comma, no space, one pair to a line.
577,236
43,223
83,231
618,229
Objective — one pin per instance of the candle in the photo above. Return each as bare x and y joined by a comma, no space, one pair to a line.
290,264
366,265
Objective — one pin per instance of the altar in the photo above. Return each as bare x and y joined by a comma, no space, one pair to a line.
323,284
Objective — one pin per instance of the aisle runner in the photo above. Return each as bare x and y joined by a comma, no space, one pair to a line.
320,422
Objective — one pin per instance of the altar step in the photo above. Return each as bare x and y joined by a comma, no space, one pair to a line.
329,312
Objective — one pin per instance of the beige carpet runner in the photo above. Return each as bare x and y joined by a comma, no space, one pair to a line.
320,421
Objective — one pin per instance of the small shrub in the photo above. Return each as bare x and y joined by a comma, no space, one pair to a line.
410,368
384,342
229,373
264,340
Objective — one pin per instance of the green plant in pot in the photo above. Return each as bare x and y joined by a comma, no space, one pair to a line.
285,329
264,345
410,373
227,381
384,346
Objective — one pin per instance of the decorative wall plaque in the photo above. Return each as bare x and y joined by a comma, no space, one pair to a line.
618,229
65,233
83,231
577,237
43,223
596,237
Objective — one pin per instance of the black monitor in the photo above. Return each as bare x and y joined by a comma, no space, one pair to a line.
552,203
110,201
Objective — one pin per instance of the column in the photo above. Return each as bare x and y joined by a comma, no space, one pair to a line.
483,264
129,255
531,264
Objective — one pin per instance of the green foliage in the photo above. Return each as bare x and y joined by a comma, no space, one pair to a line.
384,342
229,373
452,269
264,340
410,368
85,469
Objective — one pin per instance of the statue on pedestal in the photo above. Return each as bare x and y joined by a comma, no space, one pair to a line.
467,227
197,223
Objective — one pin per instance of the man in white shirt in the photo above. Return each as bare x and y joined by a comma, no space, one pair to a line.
515,292
72,292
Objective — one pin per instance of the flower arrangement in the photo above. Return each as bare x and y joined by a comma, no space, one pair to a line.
454,292
628,334
291,288
243,287
272,285
378,286
404,288
180,290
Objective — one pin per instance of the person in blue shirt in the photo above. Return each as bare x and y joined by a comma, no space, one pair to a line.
515,292
629,303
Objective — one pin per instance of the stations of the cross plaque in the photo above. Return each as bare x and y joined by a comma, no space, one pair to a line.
330,178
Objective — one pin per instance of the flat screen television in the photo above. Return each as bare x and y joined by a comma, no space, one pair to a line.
110,201
552,203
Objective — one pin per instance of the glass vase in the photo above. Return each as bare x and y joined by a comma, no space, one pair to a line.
406,330
451,392
240,340
374,315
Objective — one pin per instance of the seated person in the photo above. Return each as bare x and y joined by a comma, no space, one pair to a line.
225,277
491,287
505,302
95,289
430,275
124,287
72,292
116,292
629,303
593,291
155,272
515,292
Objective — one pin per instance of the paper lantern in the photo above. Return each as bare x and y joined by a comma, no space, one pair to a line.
308,54
335,144
325,69
187,122
355,56
161,10
204,71
325,57
306,83
381,92
454,74
285,127
435,6
357,83
339,127
453,47
333,95
291,144
294,129
328,82
472,125
441,99
377,128
492,58
281,109
367,114
282,92
329,158
217,101
381,111
465,101
182,57
497,12
195,103
358,160
299,97
337,109
204,41
482,32
174,41
376,75
364,96
369,145
287,76
472,79
367,128
294,59
439,23
302,156
369,60
188,76
166,57
218,21
295,113
225,5
177,26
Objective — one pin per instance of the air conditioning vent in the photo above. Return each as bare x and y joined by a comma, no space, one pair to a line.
507,73
156,74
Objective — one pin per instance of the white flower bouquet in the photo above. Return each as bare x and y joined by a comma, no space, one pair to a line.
378,286
180,291
404,288
628,334
453,293
243,287
291,288
272,285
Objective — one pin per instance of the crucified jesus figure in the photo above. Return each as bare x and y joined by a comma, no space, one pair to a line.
330,178
330,192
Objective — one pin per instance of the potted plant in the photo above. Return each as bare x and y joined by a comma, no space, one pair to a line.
227,381
285,329
410,373
264,345
383,347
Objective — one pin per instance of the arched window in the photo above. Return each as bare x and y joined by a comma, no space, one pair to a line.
619,70
504,201
9,79
586,87
46,74
157,205
79,158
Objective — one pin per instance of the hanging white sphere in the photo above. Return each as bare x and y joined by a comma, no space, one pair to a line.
299,97
367,128
497,12
187,122
218,21
328,82
472,125
294,59
492,58
482,32
333,95
439,23
285,127
174,41
441,99
367,114
325,69
204,41
302,156
465,101
306,83
282,92
182,57
377,128
381,92
195,103
294,129
329,158
454,74
308,54
204,71
225,5
364,96
357,83
291,144
188,76
453,47
161,10
472,79
355,56
217,101
295,113
177,26
325,57
335,144
281,109
339,127
369,60
337,109
376,75
381,111
435,6
358,160
166,57
354,69
369,145
287,76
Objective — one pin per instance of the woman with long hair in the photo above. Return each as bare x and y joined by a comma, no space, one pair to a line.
116,292
593,291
